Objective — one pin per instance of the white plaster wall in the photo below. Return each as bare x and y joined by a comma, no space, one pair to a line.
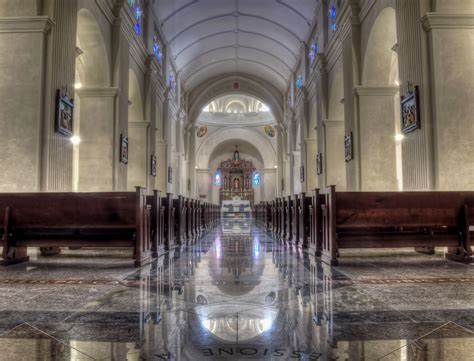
21,84
334,167
454,107
138,157
377,143
96,148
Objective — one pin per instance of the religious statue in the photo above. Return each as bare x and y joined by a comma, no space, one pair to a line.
236,183
236,156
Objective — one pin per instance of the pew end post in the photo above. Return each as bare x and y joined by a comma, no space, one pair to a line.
11,254
330,250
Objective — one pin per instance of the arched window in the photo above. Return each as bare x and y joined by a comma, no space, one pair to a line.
217,178
137,11
313,51
256,179
332,17
157,50
299,82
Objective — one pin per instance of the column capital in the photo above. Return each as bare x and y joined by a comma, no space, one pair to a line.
27,24
111,92
447,21
376,91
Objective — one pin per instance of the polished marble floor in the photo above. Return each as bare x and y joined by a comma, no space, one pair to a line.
234,296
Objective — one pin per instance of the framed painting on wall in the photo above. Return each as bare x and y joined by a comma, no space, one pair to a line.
123,149
170,174
410,110
153,166
348,147
64,113
302,174
319,163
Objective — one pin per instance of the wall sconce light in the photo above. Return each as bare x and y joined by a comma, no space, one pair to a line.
75,139
399,137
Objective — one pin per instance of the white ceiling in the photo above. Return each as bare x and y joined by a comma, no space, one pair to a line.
256,37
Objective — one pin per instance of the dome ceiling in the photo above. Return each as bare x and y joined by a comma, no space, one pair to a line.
256,37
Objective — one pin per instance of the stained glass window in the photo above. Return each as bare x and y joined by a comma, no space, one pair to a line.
137,15
299,82
256,179
217,179
313,51
157,48
332,17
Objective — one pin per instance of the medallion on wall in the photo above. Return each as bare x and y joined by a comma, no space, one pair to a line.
123,148
64,111
319,163
269,130
153,166
410,111
348,147
202,131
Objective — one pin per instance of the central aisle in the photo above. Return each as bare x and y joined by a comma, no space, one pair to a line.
240,296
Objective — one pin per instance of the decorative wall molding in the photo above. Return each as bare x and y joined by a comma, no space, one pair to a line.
33,24
376,91
447,21
98,92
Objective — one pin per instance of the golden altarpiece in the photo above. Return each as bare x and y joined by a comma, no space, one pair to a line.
236,176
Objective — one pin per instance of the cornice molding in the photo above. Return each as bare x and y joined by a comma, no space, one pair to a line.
447,21
376,91
98,92
29,24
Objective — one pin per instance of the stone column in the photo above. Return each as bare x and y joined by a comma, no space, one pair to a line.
120,64
351,60
377,151
23,57
417,146
451,39
97,147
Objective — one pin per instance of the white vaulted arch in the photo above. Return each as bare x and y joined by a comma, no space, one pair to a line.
266,150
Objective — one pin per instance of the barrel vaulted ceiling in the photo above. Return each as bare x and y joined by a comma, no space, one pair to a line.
257,37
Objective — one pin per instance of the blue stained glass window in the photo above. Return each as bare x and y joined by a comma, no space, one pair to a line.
299,82
256,179
217,179
333,16
313,51
137,14
157,49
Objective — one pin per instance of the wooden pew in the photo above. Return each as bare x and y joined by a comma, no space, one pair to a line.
157,219
288,204
282,218
394,219
303,220
169,224
294,219
316,222
112,219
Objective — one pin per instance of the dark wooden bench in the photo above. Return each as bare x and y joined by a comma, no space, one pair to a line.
157,223
169,223
303,219
423,220
316,223
112,219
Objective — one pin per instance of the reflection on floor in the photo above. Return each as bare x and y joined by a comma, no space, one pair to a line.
237,297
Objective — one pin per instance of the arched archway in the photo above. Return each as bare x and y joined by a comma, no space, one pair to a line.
235,84
380,155
94,114
219,145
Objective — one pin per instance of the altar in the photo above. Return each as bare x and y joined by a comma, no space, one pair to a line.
236,175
